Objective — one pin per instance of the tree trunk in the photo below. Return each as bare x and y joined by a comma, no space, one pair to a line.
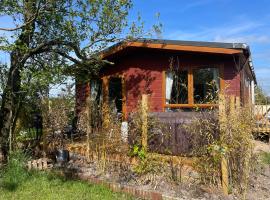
10,102
11,94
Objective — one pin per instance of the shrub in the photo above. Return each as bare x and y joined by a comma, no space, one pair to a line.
14,173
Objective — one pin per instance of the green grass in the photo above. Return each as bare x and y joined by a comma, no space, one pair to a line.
265,158
47,186
18,184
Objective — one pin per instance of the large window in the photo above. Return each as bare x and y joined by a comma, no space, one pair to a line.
206,85
194,86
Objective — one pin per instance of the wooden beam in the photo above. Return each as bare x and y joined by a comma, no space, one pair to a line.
186,48
105,88
222,81
225,175
222,121
171,47
144,120
124,98
163,90
190,86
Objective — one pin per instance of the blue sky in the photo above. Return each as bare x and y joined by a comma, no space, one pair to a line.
216,20
210,20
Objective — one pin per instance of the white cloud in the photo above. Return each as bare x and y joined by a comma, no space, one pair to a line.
194,4
198,3
240,32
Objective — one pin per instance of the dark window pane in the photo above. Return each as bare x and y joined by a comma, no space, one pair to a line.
115,93
206,85
96,90
177,87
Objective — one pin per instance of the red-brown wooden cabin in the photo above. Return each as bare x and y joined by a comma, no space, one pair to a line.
175,74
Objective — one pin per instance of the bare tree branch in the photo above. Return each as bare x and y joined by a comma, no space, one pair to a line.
48,46
63,54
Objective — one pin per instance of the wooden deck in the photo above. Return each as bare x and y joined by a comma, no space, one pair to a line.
262,117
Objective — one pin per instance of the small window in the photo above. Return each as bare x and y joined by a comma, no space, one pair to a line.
206,85
177,87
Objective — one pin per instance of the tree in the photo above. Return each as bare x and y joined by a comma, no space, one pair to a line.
3,77
65,33
260,97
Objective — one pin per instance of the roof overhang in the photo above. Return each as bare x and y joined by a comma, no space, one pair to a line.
190,47
185,46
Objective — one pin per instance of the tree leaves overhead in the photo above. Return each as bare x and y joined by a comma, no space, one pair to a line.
75,30
90,25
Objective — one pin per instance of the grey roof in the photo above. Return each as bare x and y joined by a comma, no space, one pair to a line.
197,43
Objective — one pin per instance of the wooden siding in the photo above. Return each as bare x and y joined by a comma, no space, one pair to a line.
82,92
143,72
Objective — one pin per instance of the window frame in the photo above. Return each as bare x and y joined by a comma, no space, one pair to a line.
191,103
105,86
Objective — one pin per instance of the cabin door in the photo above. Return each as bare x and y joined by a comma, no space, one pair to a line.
116,94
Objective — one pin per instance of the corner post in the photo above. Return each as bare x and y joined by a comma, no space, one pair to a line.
144,120
224,163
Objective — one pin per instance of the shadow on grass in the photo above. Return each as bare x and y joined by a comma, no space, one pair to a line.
12,178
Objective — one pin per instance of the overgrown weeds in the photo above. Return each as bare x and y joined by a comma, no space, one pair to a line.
229,138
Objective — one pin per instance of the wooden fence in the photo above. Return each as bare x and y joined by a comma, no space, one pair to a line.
179,141
173,137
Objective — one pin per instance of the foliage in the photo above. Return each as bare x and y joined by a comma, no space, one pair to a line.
260,96
3,77
138,152
57,117
58,28
265,157
53,38
14,172
28,134
154,129
206,146
233,141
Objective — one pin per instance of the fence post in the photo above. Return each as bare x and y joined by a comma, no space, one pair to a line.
222,121
105,104
144,120
88,124
237,102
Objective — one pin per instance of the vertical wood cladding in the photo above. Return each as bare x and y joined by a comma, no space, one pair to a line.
82,91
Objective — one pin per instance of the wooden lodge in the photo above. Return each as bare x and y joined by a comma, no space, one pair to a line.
177,75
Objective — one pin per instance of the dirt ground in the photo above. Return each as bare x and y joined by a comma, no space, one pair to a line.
259,187
190,188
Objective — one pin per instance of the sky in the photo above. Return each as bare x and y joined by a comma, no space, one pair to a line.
210,20
215,20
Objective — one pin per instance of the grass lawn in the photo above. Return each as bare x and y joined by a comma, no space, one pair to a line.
41,185
19,184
